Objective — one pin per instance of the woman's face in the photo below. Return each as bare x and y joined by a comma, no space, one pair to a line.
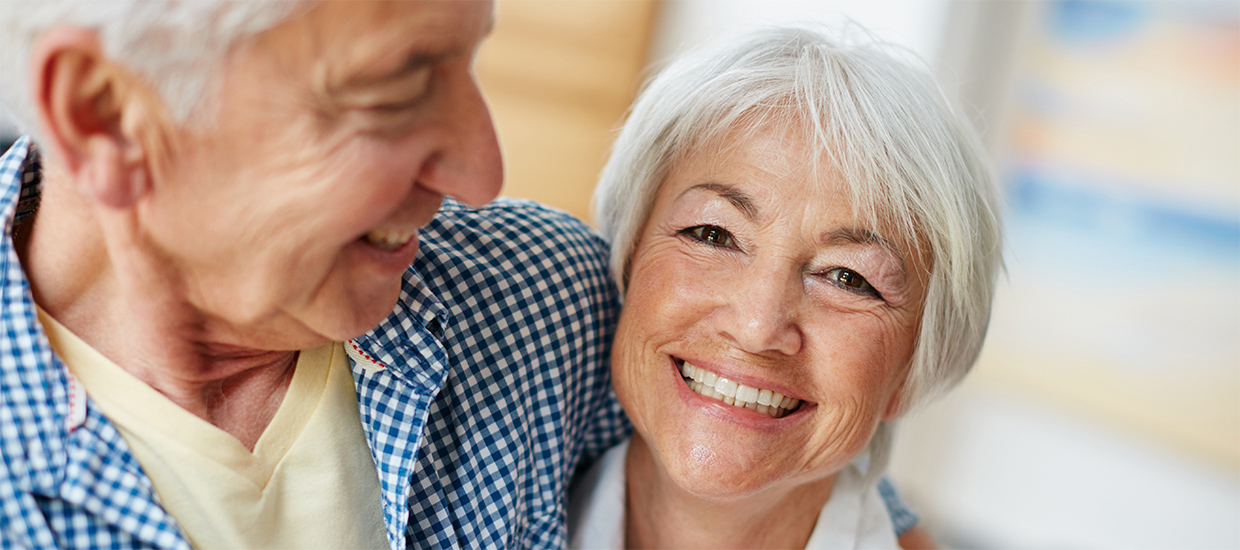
752,269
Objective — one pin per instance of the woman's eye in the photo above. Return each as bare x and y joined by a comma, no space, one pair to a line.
712,235
850,280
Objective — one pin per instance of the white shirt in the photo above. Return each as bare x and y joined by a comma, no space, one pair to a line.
854,516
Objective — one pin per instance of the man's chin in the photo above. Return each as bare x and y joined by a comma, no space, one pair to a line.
356,319
348,305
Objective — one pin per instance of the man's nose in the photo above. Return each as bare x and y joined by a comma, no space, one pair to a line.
468,165
760,315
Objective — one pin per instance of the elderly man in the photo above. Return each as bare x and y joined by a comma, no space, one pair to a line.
222,198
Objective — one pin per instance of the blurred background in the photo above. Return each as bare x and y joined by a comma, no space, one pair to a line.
1105,410
8,133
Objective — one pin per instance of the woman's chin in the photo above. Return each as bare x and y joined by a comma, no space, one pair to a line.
731,469
717,475
732,486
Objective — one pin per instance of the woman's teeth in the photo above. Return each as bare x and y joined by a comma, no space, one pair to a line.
709,384
389,240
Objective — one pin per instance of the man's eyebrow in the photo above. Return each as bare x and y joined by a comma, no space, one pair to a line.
855,235
411,64
735,196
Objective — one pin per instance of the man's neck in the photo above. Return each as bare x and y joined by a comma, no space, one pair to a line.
660,514
117,296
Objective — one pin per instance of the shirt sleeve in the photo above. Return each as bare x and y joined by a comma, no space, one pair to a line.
607,424
903,517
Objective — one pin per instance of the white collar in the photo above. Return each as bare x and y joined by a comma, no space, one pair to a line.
854,516
596,503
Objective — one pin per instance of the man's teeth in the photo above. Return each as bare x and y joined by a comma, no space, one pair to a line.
389,240
712,385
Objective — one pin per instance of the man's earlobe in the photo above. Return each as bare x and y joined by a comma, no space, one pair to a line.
107,176
82,100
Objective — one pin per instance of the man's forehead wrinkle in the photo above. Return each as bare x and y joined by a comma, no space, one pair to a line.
301,48
340,45
321,70
394,54
364,57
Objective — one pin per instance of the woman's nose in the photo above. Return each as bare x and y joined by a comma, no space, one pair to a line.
468,165
761,314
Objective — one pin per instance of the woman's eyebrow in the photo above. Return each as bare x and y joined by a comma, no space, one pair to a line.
854,235
735,196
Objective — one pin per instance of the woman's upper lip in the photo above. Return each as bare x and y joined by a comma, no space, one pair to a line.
747,380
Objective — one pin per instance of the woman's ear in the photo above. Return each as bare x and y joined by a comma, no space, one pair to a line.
92,116
895,405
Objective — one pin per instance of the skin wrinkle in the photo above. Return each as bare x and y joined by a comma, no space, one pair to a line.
863,237
863,257
295,156
296,163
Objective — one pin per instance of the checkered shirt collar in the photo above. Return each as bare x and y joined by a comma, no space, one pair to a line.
53,445
29,365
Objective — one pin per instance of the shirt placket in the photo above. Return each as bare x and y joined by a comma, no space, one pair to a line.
397,381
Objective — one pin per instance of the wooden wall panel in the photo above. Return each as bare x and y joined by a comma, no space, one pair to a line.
559,75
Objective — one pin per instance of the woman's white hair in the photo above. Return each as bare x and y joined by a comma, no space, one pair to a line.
915,167
173,44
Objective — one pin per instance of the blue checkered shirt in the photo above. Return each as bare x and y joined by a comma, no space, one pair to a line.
479,395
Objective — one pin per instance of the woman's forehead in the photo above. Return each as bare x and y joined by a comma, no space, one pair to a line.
782,157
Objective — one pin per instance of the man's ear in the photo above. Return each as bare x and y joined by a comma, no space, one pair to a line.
92,117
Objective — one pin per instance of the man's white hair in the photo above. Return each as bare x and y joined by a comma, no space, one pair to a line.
173,44
915,168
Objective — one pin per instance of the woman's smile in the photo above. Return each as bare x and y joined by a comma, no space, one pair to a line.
754,396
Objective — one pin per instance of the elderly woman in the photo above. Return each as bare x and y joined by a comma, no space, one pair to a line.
807,240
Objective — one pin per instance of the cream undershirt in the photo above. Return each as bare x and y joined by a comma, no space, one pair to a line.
310,482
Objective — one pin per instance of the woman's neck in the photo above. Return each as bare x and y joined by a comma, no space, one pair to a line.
660,514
